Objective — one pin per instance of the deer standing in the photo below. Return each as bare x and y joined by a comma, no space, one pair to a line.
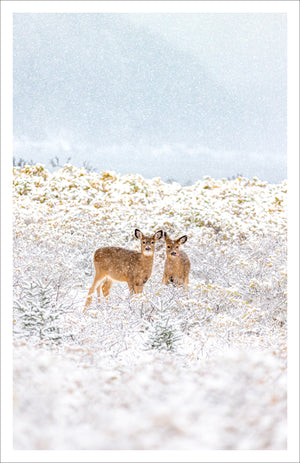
177,264
114,263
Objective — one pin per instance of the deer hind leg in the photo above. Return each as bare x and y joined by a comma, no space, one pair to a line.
96,284
107,284
99,292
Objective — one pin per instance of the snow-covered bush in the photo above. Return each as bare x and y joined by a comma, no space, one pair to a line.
38,312
234,312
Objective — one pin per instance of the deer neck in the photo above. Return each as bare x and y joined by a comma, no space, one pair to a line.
147,260
174,261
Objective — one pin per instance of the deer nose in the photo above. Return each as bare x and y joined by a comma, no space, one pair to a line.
148,248
173,253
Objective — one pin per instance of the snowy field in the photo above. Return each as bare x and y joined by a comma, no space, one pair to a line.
165,370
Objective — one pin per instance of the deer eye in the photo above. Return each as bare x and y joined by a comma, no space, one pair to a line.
176,247
169,247
144,242
152,242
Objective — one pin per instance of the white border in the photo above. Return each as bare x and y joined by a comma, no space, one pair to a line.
293,228
6,229
212,6
292,10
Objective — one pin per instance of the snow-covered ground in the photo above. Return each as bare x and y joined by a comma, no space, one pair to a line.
163,370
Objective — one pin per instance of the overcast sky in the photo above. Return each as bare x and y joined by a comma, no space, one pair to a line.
240,50
178,96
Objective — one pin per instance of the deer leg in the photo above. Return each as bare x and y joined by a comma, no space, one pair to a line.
107,284
167,280
99,292
185,283
88,301
131,287
138,289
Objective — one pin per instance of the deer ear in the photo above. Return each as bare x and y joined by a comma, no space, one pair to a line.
183,239
138,234
158,235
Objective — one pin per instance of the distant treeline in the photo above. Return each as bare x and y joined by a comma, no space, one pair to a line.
56,163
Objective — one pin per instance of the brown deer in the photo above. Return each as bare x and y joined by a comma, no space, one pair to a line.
114,263
177,264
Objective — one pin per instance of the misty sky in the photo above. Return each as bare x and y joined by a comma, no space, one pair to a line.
178,96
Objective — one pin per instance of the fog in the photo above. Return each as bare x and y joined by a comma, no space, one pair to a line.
179,96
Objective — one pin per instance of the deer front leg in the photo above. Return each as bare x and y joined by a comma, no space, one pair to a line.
185,283
167,280
134,287
138,289
131,287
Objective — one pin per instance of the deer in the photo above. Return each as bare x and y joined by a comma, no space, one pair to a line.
120,264
177,264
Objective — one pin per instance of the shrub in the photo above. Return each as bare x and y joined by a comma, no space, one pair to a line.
37,312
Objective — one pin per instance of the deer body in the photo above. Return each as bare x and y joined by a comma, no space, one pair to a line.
133,267
115,263
177,264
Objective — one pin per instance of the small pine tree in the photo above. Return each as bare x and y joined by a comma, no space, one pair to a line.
38,312
163,335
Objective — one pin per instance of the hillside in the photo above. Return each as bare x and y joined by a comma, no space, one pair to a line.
104,79
166,370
